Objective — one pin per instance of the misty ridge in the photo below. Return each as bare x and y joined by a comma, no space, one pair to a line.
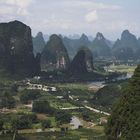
125,48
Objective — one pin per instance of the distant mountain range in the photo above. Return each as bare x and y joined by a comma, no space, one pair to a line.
125,48
73,45
20,52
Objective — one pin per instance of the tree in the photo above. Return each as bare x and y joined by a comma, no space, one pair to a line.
46,124
28,95
107,95
63,117
14,88
42,106
85,115
124,122
21,122
1,124
7,101
14,127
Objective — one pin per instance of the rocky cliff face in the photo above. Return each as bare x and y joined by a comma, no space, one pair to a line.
82,62
38,43
78,65
126,47
54,56
16,49
88,59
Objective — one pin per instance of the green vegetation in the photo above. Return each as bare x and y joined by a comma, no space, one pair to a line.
67,111
72,86
46,124
80,134
63,117
29,95
42,106
107,95
49,114
12,122
124,123
123,68
89,116
7,101
53,54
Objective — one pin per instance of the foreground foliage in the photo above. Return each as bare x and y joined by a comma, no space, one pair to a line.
124,123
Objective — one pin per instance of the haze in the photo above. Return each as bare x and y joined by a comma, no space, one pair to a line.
110,17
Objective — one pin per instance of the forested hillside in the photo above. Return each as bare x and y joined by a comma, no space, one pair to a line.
124,123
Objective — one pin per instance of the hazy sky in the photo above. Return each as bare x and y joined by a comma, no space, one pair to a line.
110,17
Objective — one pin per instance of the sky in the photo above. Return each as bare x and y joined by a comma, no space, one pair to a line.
109,17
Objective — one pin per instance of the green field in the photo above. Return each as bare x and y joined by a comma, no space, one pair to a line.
80,134
81,86
123,68
79,93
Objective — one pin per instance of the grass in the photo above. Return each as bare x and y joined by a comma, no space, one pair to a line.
62,104
123,68
80,134
77,91
81,86
42,116
57,103
7,137
53,122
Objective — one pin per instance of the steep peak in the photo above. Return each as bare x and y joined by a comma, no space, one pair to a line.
61,36
84,37
54,56
127,35
99,36
118,40
39,34
55,37
16,23
38,43
17,45
125,32
82,62
78,64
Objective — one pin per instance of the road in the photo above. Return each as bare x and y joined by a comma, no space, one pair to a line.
89,108
97,111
